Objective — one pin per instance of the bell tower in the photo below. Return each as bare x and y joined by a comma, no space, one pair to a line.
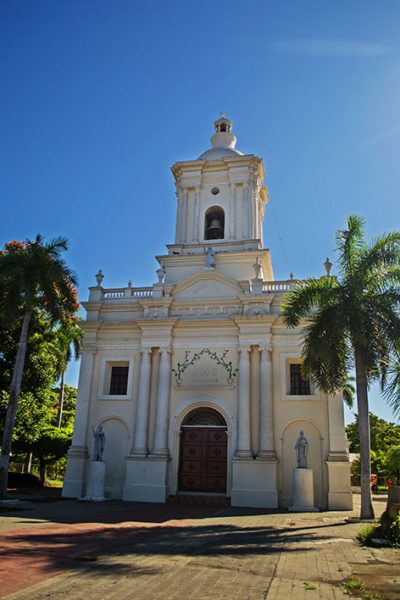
221,196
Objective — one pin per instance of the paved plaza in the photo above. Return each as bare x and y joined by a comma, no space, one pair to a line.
114,550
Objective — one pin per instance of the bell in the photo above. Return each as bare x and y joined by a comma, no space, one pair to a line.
215,231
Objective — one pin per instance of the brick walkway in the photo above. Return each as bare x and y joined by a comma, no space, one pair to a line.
121,550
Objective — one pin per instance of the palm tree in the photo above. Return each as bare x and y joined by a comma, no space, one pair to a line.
33,277
352,321
69,338
391,381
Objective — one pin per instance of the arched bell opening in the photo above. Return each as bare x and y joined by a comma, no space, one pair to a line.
214,223
203,452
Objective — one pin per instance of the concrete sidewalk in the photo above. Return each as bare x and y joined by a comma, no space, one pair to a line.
153,552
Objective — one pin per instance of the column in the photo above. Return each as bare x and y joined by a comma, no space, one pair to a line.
83,400
246,213
232,232
243,447
266,411
142,412
162,414
178,234
196,215
184,209
77,455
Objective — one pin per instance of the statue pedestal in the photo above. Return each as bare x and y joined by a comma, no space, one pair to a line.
96,481
303,491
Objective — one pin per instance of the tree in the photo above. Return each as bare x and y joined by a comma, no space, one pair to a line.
36,428
393,464
352,321
383,434
70,338
34,278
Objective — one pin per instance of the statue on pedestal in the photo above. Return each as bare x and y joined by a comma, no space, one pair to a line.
210,258
301,448
99,442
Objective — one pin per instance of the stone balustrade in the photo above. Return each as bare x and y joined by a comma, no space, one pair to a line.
280,286
274,287
118,293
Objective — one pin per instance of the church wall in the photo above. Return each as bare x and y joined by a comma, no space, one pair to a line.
102,405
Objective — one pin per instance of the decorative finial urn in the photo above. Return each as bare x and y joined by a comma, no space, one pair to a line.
99,278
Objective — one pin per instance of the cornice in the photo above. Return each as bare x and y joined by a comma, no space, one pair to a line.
158,323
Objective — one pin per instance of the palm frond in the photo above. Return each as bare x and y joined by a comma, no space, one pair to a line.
326,352
384,253
349,244
390,384
308,296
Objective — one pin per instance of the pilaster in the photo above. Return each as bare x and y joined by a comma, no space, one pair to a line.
162,414
142,413
266,406
244,445
78,453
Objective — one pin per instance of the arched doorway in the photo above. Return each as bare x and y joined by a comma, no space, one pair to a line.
203,452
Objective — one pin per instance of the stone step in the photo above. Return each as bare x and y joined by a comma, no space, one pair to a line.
199,500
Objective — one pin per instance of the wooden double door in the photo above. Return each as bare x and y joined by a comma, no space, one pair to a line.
203,461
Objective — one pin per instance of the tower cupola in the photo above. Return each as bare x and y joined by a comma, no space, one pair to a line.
223,141
223,136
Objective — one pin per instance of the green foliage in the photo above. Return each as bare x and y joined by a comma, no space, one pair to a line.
40,363
394,533
367,532
309,586
353,585
36,293
392,464
384,434
34,275
70,395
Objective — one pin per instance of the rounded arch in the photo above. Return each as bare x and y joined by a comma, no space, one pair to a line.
201,401
214,223
116,418
300,420
204,416
116,448
315,458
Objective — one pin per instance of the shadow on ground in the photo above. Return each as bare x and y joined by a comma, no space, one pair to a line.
103,548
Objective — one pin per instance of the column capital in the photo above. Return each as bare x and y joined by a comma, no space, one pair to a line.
145,352
266,351
244,349
164,351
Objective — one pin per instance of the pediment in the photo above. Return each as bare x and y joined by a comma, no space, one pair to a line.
207,285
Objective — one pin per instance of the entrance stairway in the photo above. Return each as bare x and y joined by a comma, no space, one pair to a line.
199,500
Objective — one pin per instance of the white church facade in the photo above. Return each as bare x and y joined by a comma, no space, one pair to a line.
195,380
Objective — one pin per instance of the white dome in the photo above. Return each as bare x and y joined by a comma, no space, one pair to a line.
218,153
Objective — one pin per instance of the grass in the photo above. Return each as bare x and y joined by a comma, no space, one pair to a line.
352,585
54,483
309,586
367,532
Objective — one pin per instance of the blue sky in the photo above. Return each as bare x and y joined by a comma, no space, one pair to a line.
99,98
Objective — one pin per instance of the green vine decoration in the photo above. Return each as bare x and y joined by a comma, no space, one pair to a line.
188,362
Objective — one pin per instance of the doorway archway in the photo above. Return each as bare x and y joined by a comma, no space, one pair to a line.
203,452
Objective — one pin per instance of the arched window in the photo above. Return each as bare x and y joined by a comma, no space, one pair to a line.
214,223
